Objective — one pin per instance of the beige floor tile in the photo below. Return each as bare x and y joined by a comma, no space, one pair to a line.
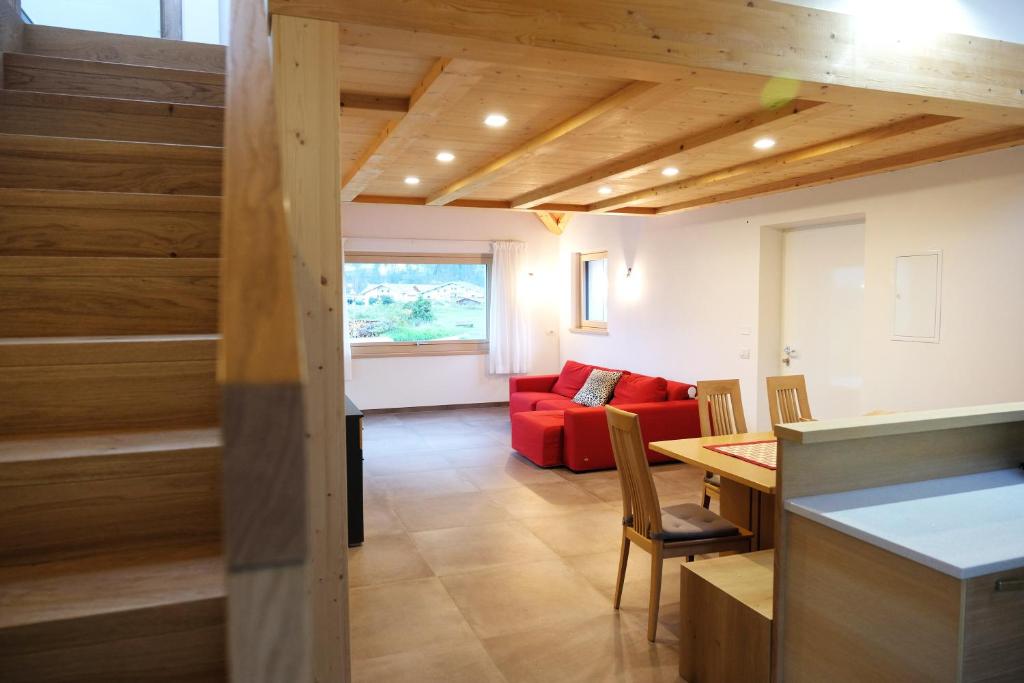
583,533
399,487
384,465
386,558
606,648
444,512
471,548
404,616
606,489
379,519
545,500
524,597
467,663
453,441
511,474
600,569
481,456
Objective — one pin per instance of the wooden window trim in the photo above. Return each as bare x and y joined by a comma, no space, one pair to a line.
581,322
471,347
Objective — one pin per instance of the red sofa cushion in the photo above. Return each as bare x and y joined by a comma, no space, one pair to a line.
681,391
525,401
588,447
573,376
639,389
538,436
559,403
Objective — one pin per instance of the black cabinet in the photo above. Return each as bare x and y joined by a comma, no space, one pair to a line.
354,458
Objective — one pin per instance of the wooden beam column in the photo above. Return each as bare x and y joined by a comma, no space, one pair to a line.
306,82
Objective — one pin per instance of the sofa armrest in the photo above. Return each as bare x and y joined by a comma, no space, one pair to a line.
531,383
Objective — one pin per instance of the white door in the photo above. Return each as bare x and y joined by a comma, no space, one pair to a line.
822,315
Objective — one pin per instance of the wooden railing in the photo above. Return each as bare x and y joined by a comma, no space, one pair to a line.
261,370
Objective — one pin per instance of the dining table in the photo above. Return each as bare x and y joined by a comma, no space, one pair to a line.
747,491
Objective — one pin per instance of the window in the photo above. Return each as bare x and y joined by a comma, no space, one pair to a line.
592,295
202,21
417,304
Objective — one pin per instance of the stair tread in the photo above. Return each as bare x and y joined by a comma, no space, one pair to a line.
109,266
114,47
110,583
108,104
63,145
113,68
107,443
127,201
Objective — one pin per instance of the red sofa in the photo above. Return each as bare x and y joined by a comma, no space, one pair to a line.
550,430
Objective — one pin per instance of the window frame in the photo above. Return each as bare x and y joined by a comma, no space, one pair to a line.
422,348
582,324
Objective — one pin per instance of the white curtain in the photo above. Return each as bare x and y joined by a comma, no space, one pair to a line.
346,340
509,331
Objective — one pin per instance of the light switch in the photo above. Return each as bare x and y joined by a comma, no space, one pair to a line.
745,354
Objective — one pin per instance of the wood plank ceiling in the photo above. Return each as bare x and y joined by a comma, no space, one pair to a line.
583,142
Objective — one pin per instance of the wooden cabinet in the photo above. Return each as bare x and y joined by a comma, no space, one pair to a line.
726,619
902,548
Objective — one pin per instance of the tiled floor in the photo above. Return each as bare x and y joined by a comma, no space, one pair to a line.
479,566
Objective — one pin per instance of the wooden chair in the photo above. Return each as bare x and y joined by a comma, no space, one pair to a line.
720,409
678,531
787,399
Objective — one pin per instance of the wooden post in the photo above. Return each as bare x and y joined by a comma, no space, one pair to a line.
306,87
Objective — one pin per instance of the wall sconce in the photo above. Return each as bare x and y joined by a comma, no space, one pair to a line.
629,271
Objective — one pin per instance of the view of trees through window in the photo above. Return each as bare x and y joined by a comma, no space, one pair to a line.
403,302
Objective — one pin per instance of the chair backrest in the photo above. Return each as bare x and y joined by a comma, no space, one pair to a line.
640,506
787,399
720,407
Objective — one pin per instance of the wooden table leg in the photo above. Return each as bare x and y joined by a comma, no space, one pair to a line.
737,504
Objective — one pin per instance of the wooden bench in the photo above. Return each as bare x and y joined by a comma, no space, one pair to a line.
726,619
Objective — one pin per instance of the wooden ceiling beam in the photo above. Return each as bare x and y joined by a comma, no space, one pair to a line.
445,83
943,152
555,222
497,204
611,111
829,56
662,192
797,111
378,106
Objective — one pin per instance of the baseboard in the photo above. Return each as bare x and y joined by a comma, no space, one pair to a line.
421,409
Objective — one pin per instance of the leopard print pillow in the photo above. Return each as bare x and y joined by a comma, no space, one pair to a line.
597,389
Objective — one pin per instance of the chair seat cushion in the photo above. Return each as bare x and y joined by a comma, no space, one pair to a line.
713,478
691,522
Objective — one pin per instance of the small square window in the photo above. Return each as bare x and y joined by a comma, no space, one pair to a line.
592,299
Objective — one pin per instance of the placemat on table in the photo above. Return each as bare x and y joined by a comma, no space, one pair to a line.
760,453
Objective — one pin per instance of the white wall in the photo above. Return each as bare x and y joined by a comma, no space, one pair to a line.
695,289
448,380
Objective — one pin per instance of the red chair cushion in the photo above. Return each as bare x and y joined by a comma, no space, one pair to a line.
556,404
573,376
640,389
527,400
538,436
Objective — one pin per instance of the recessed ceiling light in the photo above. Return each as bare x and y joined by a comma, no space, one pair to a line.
604,189
445,157
412,180
764,143
496,120
670,171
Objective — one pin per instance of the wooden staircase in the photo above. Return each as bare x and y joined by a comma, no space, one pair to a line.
110,461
